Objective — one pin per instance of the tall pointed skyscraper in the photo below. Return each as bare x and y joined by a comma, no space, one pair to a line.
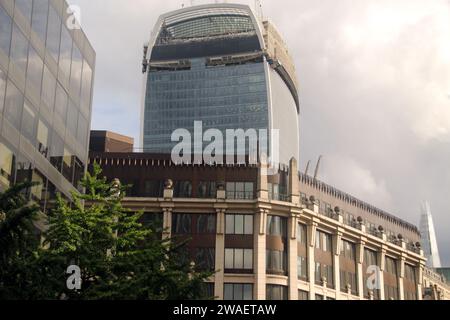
428,234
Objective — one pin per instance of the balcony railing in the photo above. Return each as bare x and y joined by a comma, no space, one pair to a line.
240,195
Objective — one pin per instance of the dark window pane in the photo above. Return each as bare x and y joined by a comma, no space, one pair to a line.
206,223
5,31
181,223
205,258
276,292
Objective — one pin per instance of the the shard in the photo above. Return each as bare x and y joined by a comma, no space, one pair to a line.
428,235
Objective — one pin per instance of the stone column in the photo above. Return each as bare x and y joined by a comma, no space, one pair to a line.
359,267
311,235
294,192
337,238
260,254
419,279
401,276
167,209
263,187
382,260
292,255
220,254
167,223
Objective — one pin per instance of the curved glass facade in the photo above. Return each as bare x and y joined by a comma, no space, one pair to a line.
223,97
206,27
211,64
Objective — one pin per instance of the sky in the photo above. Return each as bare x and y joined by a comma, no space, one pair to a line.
374,89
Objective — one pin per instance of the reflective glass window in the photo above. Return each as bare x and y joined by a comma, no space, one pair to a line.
35,68
61,102
48,88
6,165
82,130
76,71
5,31
72,119
39,19
28,122
238,291
2,89
53,33
86,88
19,50
65,54
57,151
42,138
13,105
25,7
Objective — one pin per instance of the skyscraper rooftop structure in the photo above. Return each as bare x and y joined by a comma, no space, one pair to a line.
221,65
428,235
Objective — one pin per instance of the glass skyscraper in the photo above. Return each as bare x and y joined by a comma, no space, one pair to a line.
46,79
221,65
428,234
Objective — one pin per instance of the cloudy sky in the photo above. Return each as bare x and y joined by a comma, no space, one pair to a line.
375,90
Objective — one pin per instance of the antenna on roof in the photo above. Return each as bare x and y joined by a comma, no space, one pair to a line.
317,168
307,167
192,2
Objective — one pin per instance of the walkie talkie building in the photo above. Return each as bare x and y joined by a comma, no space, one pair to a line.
221,65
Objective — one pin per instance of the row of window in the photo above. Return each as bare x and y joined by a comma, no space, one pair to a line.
234,291
13,166
350,219
205,189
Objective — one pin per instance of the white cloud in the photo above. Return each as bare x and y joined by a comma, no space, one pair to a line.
349,175
375,81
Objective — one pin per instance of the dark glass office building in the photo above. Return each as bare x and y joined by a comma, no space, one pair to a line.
46,77
221,65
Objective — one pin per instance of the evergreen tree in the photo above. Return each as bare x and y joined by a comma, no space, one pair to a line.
119,257
19,243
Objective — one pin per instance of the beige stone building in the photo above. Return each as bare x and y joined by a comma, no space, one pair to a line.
285,236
